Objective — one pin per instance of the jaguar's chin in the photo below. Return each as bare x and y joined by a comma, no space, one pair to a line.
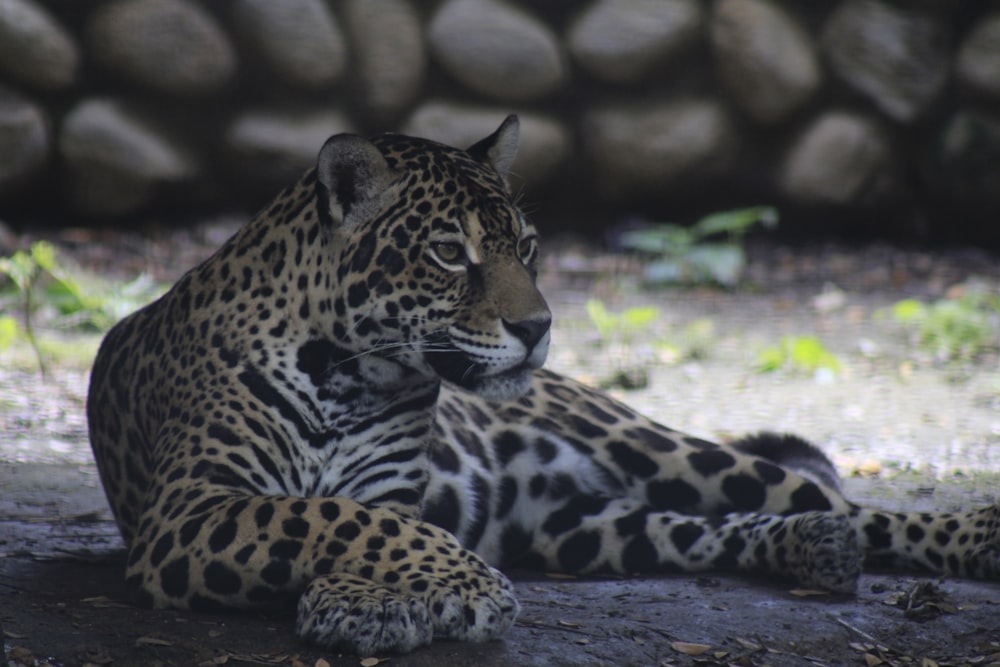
504,386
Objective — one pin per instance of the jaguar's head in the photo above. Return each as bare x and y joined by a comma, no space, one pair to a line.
435,265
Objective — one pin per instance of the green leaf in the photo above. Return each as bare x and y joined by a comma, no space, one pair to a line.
640,318
908,310
9,331
722,263
735,222
663,239
605,322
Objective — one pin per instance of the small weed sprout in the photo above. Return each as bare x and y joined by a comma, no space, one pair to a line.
40,287
799,354
630,340
684,255
960,328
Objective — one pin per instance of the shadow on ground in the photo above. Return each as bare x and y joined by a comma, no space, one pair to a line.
62,603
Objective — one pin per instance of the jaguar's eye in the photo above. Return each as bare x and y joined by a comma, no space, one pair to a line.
449,252
526,248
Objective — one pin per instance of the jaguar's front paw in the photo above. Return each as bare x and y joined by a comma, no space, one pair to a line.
825,552
344,611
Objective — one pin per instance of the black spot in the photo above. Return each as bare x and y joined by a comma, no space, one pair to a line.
295,527
174,577
357,294
571,515
640,555
915,533
579,550
223,435
336,548
683,535
508,496
942,538
285,549
599,414
315,359
480,492
389,527
878,538
586,428
769,473
222,536
443,510
537,485
348,530
546,450
161,549
632,461
632,524
243,555
219,578
329,510
729,558
277,573
744,492
710,461
672,494
935,558
263,515
444,457
808,498
655,440
514,542
363,253
191,528
391,261
508,445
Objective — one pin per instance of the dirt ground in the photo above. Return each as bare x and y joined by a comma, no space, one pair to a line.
909,432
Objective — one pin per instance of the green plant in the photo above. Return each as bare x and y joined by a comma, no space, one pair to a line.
804,354
620,331
39,284
685,255
956,328
624,325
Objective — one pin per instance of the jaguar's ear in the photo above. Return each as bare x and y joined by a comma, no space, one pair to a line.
500,148
351,173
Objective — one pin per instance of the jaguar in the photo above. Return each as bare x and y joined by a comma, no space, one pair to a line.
344,410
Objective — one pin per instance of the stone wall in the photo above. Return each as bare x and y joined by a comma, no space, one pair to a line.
882,114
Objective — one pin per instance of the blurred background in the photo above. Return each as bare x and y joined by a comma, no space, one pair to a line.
857,118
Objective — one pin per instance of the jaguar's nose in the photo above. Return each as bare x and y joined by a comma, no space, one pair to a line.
529,331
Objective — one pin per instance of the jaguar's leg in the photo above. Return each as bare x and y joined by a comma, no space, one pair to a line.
963,544
376,581
589,534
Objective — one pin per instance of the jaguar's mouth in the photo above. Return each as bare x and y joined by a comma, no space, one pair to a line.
455,367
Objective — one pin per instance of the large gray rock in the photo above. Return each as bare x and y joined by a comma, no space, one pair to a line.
623,41
273,147
978,62
34,49
116,160
765,59
172,46
300,42
649,148
496,49
897,55
24,140
390,57
840,158
544,143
